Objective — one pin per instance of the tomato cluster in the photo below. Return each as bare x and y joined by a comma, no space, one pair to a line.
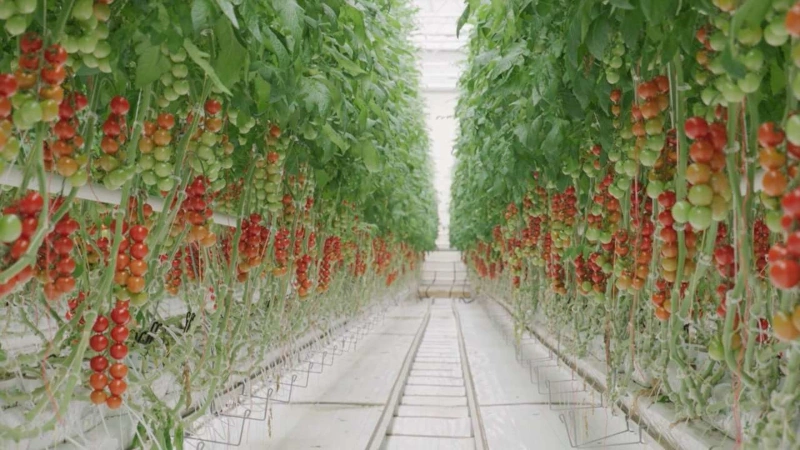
303,283
648,125
156,159
99,342
110,165
281,252
195,212
65,150
55,264
17,225
86,37
331,253
16,14
252,245
175,80
131,266
209,149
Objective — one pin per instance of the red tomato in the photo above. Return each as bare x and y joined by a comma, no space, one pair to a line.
29,61
701,151
213,106
166,121
19,248
99,363
784,273
62,245
98,342
8,85
111,127
98,397
138,233
55,55
120,315
120,106
65,265
31,204
139,250
119,333
67,226
114,402
791,203
30,42
54,74
100,324
118,351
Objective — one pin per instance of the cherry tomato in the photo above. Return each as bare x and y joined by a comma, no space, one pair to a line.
138,267
29,61
54,74
118,370
98,342
138,233
139,250
117,387
212,106
118,351
120,315
65,284
166,121
98,397
120,333
696,127
112,127
55,55
792,21
8,85
100,324
30,42
135,284
98,363
98,381
62,245
31,204
19,248
67,226
11,228
120,106
114,402
784,273
769,136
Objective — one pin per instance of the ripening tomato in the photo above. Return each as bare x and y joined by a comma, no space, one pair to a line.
783,327
67,226
212,106
696,127
98,397
19,248
138,233
31,204
62,245
135,284
701,151
792,21
118,370
774,183
98,381
117,387
55,55
769,135
114,402
647,90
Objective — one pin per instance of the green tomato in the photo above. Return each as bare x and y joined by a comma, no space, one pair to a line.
79,178
680,211
623,184
163,169
701,77
83,10
179,56
90,61
205,153
208,138
180,71
592,234
162,154
701,195
715,66
793,129
750,83
261,196
607,267
32,112
796,86
656,142
612,76
273,198
16,25
104,65
770,203
753,59
715,349
218,185
167,79
717,41
162,102
615,192
7,9
26,6
10,228
102,12
709,95
170,94
149,178
605,237
70,44
116,178
102,50
749,36
700,217
101,31
49,110
227,163
11,149
773,221
107,163
139,299
615,63
87,44
648,158
181,87
775,34
654,126
630,168
146,162
734,94
166,184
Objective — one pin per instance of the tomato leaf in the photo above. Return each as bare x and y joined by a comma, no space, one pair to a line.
462,20
199,58
622,4
150,65
314,94
334,137
290,15
597,38
231,55
201,14
371,157
262,91
227,9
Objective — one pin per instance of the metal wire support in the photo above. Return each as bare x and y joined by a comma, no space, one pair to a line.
201,442
569,418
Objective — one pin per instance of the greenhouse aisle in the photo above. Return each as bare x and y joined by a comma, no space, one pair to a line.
438,373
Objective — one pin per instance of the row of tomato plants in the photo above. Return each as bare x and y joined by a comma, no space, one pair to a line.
667,245
150,314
